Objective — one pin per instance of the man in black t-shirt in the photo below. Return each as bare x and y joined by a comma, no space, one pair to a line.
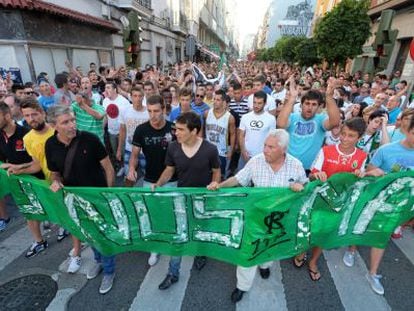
89,167
12,150
153,138
196,163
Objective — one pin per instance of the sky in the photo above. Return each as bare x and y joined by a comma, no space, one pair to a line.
250,15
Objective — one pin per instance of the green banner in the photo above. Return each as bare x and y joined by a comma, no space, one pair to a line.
244,226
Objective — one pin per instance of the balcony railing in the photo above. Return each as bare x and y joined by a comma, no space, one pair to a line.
141,6
179,22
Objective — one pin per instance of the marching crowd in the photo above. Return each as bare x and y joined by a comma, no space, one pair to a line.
198,125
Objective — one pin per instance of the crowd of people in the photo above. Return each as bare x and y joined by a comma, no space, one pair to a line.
195,125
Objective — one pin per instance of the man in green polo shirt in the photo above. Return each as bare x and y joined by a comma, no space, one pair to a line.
89,115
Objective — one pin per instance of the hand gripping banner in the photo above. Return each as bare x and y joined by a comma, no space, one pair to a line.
243,226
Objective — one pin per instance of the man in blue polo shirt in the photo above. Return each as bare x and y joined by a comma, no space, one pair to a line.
307,128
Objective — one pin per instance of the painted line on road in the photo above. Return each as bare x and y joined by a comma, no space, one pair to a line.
352,286
87,262
62,297
265,294
14,246
406,243
149,297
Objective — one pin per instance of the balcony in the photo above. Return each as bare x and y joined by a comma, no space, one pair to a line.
206,16
163,22
140,6
179,23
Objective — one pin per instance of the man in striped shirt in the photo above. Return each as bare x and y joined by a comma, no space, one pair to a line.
89,115
238,107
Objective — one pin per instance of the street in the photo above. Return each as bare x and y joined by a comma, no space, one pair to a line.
136,284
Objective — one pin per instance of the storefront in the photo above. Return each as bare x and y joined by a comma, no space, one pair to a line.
39,37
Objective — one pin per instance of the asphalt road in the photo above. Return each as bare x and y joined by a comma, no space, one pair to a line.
136,284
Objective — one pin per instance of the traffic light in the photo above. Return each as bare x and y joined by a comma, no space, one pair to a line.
132,38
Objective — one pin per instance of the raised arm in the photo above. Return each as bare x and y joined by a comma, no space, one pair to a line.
283,118
334,116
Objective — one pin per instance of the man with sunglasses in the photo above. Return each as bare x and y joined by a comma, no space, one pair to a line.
198,104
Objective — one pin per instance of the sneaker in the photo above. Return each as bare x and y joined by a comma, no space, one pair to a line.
200,262
397,233
4,223
153,259
121,172
94,270
62,233
106,284
71,252
349,258
46,225
74,265
36,248
168,281
374,281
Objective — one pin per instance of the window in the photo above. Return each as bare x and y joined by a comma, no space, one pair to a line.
145,3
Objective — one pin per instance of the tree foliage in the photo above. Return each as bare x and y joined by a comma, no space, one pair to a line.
341,33
306,52
292,49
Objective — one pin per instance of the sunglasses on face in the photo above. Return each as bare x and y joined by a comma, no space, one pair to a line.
198,95
29,93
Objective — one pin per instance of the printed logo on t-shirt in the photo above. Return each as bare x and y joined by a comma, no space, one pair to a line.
256,124
112,111
19,145
305,129
403,165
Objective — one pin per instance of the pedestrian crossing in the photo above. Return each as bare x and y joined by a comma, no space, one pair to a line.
286,289
353,294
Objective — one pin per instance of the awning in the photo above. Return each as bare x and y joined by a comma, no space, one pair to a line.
53,9
210,53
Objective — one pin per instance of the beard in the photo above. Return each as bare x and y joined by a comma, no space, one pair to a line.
40,126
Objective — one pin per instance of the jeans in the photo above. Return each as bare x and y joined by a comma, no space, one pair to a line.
113,142
174,266
242,163
223,166
107,262
141,162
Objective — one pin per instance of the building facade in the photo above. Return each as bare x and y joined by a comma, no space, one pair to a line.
40,35
392,33
285,18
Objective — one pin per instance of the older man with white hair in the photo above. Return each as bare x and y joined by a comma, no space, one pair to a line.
274,167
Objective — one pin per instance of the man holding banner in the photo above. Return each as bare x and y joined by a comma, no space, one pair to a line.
79,159
274,167
34,143
12,151
197,164
394,157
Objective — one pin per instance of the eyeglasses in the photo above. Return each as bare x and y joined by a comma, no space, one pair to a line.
29,93
199,95
389,94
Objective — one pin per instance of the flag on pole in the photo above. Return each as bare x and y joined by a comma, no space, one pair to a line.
223,60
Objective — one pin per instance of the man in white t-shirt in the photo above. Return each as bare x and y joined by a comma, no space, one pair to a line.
149,90
129,119
259,83
279,91
113,105
254,127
